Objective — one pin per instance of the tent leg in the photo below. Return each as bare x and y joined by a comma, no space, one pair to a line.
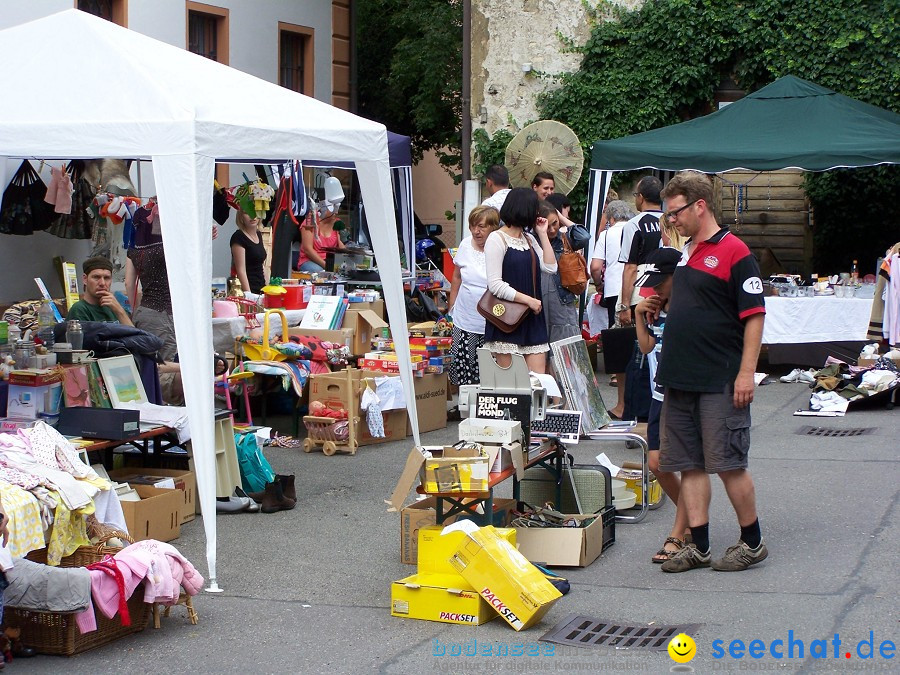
214,586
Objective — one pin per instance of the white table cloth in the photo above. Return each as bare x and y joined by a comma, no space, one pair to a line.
820,319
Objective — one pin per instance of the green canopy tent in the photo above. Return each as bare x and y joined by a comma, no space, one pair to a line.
790,123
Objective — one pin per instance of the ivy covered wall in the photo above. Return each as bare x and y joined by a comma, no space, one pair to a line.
661,64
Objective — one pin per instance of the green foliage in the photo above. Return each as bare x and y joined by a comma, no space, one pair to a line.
489,151
409,55
857,214
661,64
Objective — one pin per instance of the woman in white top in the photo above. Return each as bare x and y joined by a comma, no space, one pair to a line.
514,261
468,285
607,270
605,260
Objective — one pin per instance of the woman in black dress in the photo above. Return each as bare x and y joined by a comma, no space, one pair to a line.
515,255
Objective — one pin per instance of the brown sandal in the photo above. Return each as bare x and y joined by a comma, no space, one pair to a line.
662,554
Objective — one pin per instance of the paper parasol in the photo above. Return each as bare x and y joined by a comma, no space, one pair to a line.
549,146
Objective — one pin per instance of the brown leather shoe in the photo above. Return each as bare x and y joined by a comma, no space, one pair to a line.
287,486
274,500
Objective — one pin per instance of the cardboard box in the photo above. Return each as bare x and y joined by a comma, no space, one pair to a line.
412,472
444,598
34,377
10,425
376,306
156,516
107,423
563,546
423,513
186,481
28,402
516,589
366,324
412,519
484,430
456,470
336,392
502,455
431,403
436,549
862,363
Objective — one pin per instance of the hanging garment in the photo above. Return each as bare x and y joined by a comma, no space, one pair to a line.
59,191
285,230
80,222
374,418
23,210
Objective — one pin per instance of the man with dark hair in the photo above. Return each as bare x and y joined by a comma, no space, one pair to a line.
641,235
496,180
713,333
98,302
544,184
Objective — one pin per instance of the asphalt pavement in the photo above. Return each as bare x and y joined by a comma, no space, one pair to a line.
308,590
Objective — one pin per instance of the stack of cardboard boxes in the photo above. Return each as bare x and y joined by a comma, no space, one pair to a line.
470,576
364,327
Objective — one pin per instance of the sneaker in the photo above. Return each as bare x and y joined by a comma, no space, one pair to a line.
686,559
792,376
740,556
806,376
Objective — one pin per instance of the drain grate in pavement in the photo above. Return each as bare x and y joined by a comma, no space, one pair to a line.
834,432
583,631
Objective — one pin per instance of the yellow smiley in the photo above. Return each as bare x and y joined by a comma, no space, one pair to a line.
682,648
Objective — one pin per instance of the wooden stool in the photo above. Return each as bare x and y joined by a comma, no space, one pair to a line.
183,599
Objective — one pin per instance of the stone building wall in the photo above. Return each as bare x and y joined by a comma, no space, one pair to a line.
509,33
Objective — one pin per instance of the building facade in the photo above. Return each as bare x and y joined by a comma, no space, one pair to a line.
303,45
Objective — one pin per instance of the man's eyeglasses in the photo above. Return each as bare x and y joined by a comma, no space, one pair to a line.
674,213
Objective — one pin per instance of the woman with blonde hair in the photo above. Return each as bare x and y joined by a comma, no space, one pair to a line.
466,288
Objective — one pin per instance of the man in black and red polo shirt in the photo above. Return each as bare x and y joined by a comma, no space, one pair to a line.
713,334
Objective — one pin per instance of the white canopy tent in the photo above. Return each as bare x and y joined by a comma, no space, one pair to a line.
82,87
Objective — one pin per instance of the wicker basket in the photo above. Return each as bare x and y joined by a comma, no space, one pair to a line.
326,428
58,634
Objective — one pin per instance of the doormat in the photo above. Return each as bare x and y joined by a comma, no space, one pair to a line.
583,631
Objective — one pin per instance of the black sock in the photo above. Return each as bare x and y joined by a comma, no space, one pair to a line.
700,535
751,535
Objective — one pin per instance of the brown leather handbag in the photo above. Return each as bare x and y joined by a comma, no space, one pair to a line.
507,315
573,274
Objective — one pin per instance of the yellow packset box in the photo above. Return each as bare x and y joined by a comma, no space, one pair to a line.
435,549
439,597
456,470
502,576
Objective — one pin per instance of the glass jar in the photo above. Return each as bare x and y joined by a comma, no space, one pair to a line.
24,352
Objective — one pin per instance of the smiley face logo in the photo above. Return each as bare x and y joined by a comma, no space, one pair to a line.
682,648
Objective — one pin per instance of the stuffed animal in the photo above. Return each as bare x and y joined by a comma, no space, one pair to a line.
6,366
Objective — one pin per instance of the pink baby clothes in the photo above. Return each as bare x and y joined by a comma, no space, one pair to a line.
105,591
59,192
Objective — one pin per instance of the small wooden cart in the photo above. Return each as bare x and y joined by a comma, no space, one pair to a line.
322,432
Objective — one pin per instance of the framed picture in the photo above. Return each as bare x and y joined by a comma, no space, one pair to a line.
576,374
122,380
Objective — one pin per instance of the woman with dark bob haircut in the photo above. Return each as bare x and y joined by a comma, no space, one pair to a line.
515,255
